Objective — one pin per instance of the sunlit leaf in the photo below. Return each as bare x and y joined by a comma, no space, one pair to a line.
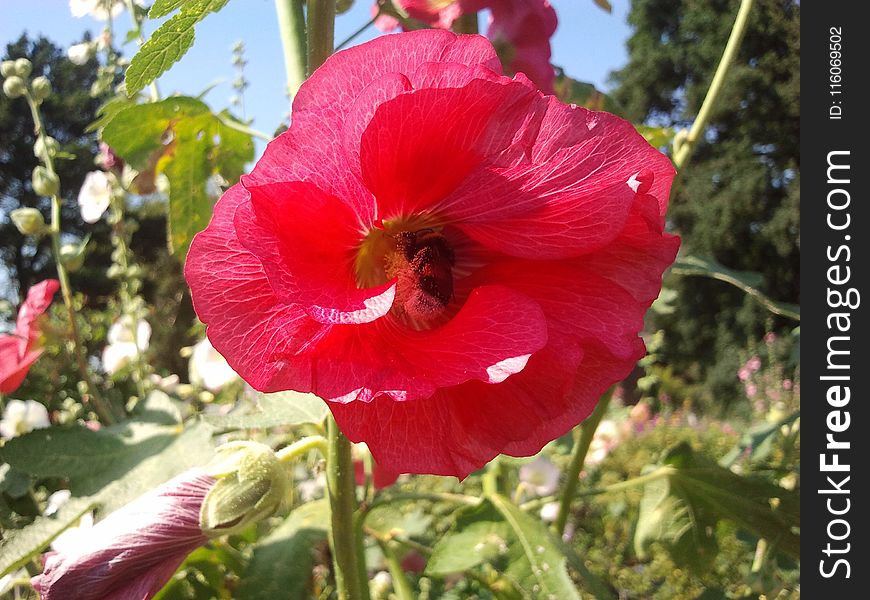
583,94
169,42
273,410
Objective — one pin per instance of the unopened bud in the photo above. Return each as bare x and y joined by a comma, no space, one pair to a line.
41,88
251,484
14,87
72,256
45,183
7,68
29,221
45,147
23,68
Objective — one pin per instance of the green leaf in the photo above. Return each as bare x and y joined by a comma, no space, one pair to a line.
571,91
758,440
658,137
681,508
169,42
550,579
291,545
480,535
183,138
273,410
17,547
747,281
13,482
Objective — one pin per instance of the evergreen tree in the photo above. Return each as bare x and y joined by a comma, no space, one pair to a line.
738,200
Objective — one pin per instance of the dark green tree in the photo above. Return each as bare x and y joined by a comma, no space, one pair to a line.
738,199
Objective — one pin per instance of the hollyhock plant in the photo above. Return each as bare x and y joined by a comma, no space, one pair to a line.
519,29
20,417
95,196
20,349
458,264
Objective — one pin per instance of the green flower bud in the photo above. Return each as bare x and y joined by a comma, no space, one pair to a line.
342,6
72,256
45,183
41,88
23,68
29,221
7,68
14,87
251,484
45,147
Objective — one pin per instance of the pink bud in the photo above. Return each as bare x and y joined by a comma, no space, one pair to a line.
134,551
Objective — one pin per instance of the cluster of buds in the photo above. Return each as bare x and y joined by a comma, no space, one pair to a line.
17,82
240,84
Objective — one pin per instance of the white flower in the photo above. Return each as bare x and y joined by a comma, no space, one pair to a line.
208,368
125,344
540,476
95,195
549,512
56,500
98,9
607,437
381,583
22,417
168,384
214,186
70,541
79,53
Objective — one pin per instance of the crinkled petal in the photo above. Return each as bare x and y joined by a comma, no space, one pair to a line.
13,365
307,242
37,302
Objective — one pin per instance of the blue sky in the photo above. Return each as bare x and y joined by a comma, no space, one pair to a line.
588,44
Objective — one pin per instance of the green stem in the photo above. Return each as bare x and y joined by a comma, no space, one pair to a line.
100,406
587,432
291,23
628,483
401,585
301,447
416,496
232,124
345,536
321,32
684,152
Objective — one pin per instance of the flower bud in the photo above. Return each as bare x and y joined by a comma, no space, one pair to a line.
251,484
72,256
45,147
45,183
342,6
41,88
23,68
29,221
14,87
7,68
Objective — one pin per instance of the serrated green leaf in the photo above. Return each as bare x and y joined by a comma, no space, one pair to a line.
161,8
181,137
747,281
169,42
550,579
480,535
273,410
17,547
758,440
291,545
108,110
682,507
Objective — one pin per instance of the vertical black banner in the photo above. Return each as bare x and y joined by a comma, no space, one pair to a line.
835,441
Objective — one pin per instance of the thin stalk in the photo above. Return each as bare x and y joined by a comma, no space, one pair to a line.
357,33
291,23
101,408
302,447
430,496
401,585
344,539
581,447
321,32
684,152
243,128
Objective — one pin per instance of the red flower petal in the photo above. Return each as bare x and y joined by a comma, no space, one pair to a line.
13,366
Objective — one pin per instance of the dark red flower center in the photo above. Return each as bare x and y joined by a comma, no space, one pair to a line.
421,260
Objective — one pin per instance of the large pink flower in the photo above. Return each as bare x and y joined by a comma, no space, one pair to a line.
20,349
520,29
134,551
457,263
